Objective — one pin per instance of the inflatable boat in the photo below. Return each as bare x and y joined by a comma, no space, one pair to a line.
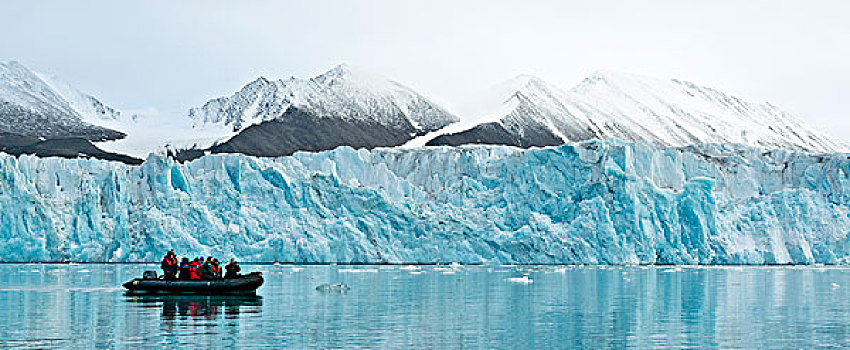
242,285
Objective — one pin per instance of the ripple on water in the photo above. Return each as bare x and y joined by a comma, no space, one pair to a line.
481,306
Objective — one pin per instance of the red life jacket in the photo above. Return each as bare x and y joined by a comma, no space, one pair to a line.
193,271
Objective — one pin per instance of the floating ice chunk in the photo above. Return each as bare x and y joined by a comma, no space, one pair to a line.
357,270
523,279
337,287
410,268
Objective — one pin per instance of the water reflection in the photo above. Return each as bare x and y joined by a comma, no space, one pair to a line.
208,308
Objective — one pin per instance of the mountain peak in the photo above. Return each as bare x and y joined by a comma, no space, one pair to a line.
340,70
343,67
526,81
525,78
344,73
520,84
260,81
614,78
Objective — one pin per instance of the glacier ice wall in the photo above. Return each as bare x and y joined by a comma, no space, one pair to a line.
593,203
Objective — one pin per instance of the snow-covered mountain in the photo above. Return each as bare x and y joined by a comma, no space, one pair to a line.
43,115
348,107
34,108
87,106
341,99
529,112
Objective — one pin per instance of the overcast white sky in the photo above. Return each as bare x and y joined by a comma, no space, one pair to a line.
173,55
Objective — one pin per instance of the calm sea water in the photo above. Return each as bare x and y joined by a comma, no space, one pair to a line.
81,306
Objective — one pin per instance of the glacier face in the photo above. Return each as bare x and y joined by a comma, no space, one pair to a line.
594,202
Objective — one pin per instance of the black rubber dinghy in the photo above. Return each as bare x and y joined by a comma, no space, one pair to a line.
242,285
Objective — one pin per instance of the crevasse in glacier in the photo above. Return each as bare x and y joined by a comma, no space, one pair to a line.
596,202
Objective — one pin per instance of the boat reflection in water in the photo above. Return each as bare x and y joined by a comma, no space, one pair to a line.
200,307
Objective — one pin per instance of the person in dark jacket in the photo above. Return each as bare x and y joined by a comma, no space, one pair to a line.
208,272
184,269
232,269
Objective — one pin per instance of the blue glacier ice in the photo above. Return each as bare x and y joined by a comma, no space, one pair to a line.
596,202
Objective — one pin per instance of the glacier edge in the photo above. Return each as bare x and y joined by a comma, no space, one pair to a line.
595,202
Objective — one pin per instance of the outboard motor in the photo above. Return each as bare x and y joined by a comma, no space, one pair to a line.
149,275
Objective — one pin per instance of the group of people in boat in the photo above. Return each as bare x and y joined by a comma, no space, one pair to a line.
197,269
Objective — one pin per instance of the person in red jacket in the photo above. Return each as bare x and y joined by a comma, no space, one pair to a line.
194,270
217,268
